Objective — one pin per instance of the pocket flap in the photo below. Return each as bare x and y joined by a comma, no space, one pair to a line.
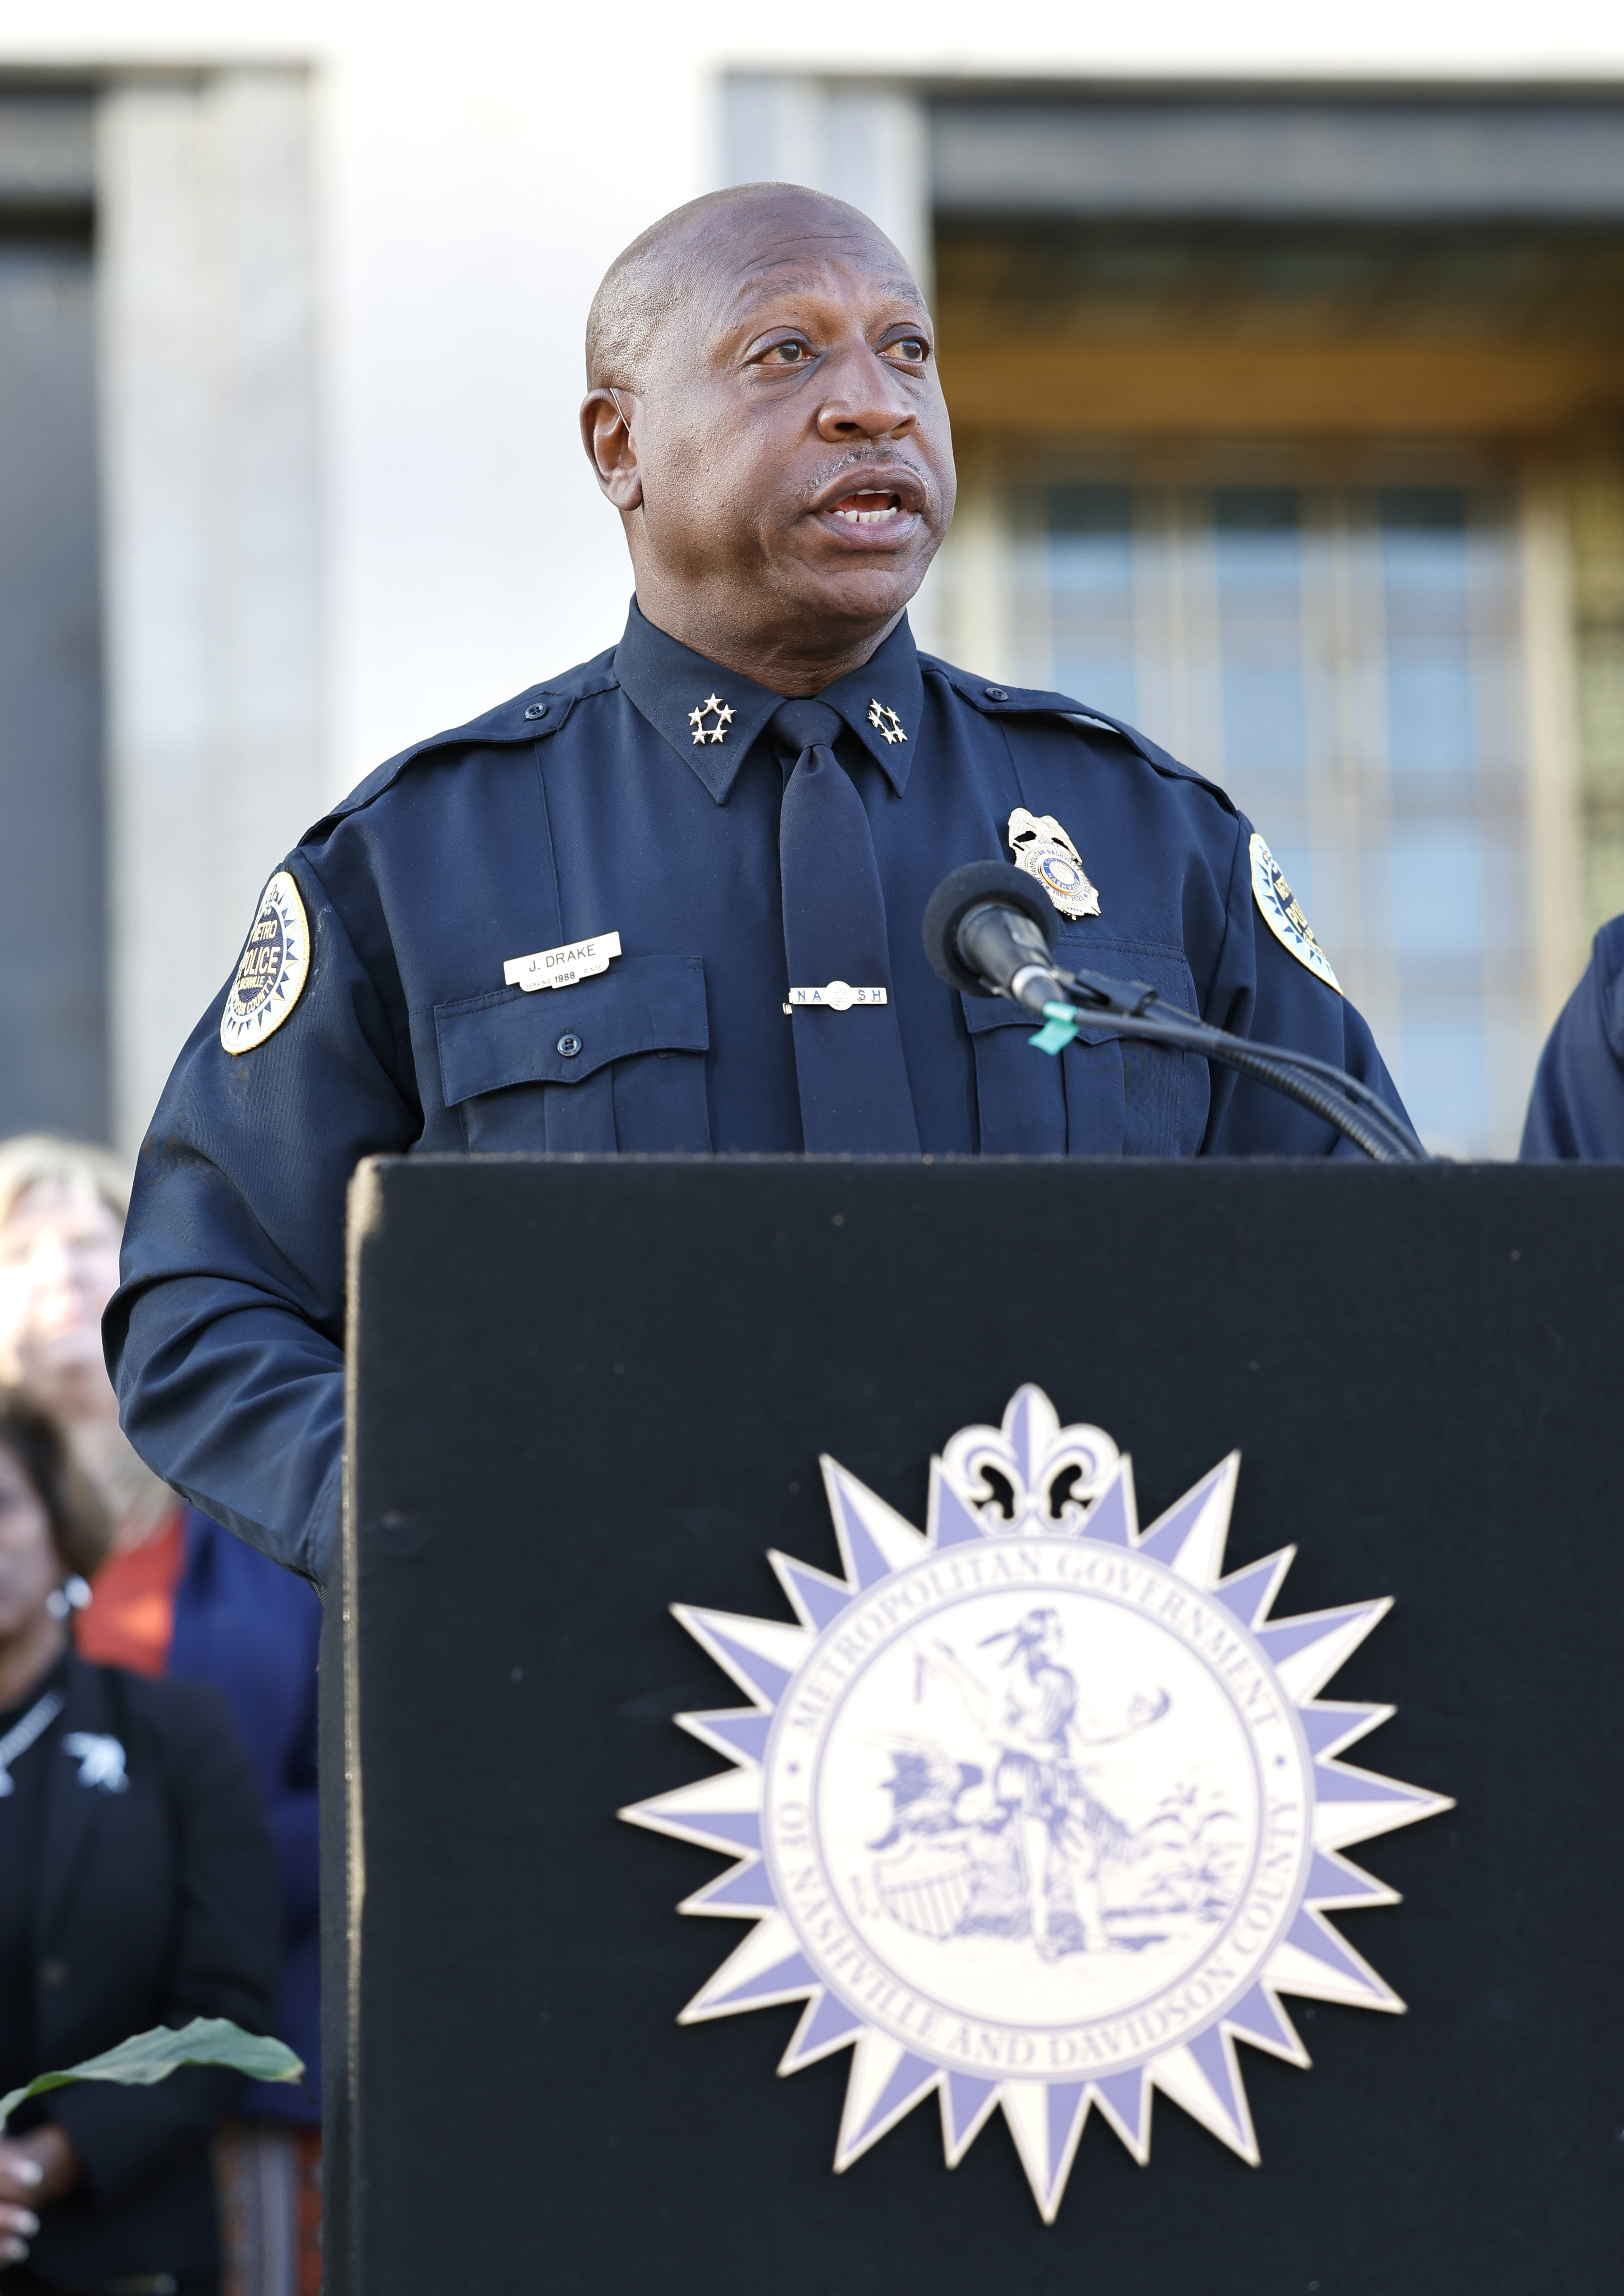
640,1004
1165,970
984,1013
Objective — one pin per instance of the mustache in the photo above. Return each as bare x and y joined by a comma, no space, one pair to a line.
893,470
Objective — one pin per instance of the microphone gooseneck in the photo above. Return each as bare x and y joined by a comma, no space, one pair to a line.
989,931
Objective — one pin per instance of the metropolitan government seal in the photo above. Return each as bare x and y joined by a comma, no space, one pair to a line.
1037,1812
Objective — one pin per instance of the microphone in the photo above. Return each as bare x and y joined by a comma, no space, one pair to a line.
989,931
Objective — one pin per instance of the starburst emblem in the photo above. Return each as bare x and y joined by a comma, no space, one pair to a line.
886,723
712,704
1037,1812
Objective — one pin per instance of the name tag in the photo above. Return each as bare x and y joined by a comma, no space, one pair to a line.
562,968
838,997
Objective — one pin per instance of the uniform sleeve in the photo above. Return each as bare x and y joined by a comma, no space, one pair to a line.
1259,990
1577,1109
224,1338
227,1947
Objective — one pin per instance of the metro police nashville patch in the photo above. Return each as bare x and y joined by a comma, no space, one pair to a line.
1037,1812
271,975
1284,916
1042,848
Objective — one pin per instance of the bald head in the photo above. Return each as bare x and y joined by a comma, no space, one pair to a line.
763,410
693,256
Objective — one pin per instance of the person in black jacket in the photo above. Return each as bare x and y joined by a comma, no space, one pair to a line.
138,1886
179,1596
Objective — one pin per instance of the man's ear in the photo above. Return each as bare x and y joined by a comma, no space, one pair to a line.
607,417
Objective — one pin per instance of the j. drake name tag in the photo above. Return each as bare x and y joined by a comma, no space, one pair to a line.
562,968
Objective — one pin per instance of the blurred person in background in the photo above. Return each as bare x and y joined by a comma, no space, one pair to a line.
181,1597
1575,1113
137,1888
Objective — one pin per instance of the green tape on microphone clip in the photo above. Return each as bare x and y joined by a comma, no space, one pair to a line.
1060,1024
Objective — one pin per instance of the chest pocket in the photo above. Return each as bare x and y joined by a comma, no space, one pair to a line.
615,1063
1103,1095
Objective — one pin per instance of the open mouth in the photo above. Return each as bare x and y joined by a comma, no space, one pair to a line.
868,509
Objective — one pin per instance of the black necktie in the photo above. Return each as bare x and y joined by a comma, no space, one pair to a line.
848,1064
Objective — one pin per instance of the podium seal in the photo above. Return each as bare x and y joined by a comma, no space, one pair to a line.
1037,1812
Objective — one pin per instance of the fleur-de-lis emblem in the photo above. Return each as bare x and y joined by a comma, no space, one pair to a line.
712,702
886,723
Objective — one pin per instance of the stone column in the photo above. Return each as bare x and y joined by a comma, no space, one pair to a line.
864,141
213,554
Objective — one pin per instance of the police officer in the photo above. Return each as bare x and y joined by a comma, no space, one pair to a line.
1577,1108
671,899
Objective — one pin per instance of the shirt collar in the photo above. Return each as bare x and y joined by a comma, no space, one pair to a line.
684,696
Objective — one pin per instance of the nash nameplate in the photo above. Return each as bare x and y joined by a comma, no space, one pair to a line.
835,997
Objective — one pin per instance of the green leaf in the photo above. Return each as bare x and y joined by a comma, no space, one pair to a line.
148,2057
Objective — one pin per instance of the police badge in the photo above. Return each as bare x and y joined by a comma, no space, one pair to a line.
1042,848
1036,1812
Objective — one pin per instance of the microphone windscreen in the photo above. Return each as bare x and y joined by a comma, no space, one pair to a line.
972,887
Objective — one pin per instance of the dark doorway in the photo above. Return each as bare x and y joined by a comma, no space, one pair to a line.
54,1065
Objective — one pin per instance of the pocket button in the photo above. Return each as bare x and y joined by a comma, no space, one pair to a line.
568,1044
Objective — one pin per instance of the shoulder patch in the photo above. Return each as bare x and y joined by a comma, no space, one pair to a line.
271,971
1284,915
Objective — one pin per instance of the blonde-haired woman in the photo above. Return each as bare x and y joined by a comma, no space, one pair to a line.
62,1215
178,1597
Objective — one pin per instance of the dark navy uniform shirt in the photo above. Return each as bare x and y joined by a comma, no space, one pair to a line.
583,808
1577,1109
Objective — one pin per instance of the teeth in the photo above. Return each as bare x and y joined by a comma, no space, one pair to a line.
868,517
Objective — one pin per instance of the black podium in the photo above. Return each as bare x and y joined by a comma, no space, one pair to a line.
587,1388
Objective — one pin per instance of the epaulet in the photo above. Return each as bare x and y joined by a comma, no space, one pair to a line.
529,717
994,701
